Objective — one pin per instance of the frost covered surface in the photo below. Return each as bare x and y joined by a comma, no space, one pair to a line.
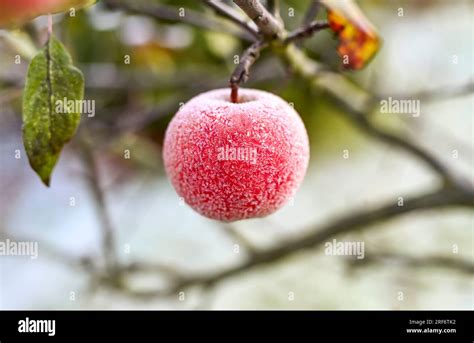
236,161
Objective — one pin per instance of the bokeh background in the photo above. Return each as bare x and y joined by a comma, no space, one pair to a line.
429,47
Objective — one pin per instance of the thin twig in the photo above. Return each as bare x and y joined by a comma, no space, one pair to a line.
361,120
238,238
312,12
172,14
154,267
310,15
307,31
241,72
49,250
227,12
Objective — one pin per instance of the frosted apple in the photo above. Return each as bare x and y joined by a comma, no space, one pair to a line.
15,12
232,161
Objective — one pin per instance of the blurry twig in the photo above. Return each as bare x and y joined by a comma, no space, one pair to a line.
154,267
311,13
238,238
227,12
434,261
45,248
93,180
172,14
434,163
356,102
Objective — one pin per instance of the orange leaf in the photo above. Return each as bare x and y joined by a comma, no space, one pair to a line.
358,39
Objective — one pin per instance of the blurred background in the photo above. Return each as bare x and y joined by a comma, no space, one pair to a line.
429,47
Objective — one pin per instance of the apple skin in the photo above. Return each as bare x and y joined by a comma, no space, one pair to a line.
16,12
204,164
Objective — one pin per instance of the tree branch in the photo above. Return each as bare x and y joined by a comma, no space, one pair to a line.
227,12
361,120
433,261
356,102
45,248
267,24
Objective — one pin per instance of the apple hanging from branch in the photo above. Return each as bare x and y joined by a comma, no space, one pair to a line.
231,161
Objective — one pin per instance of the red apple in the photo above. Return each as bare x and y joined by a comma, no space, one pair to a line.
232,161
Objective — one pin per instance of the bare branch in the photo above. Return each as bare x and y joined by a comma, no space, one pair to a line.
45,248
267,24
227,12
433,261
108,232
306,31
357,102
443,198
154,267
172,14
430,160
241,72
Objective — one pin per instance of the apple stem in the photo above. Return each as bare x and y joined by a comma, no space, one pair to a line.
50,24
234,93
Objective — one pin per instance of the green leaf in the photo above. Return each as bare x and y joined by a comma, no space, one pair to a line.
51,77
